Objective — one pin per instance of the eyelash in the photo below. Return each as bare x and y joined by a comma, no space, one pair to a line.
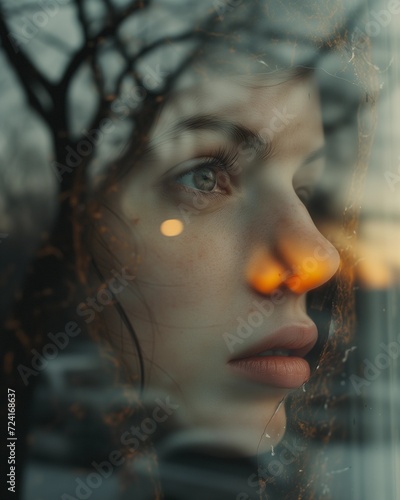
226,161
222,160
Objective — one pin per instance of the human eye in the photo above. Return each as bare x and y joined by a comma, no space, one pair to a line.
208,175
307,182
203,178
305,194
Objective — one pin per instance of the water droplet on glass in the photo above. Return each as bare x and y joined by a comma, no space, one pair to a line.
347,352
326,490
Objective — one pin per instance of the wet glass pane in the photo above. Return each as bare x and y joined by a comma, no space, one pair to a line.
199,231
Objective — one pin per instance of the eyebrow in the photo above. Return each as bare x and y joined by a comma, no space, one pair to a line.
314,155
233,131
236,133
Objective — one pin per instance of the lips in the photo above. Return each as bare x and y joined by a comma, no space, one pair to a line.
278,360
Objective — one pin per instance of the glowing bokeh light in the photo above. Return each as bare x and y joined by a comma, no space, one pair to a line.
171,227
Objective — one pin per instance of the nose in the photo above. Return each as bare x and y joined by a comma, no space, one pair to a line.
294,255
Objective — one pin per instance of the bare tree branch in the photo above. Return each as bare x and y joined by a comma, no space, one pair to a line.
82,18
27,73
90,46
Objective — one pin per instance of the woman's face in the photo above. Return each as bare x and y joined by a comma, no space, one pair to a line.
226,251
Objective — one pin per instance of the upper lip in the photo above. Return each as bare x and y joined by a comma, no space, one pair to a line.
299,339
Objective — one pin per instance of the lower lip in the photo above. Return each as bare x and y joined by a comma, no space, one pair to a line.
286,372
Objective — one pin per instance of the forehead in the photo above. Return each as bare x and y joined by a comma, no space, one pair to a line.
270,103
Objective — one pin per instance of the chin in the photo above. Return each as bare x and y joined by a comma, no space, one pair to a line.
258,435
251,433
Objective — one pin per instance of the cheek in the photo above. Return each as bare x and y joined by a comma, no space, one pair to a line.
193,270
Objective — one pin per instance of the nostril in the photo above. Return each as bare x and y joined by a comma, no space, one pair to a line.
311,258
265,273
294,283
306,281
300,265
313,271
